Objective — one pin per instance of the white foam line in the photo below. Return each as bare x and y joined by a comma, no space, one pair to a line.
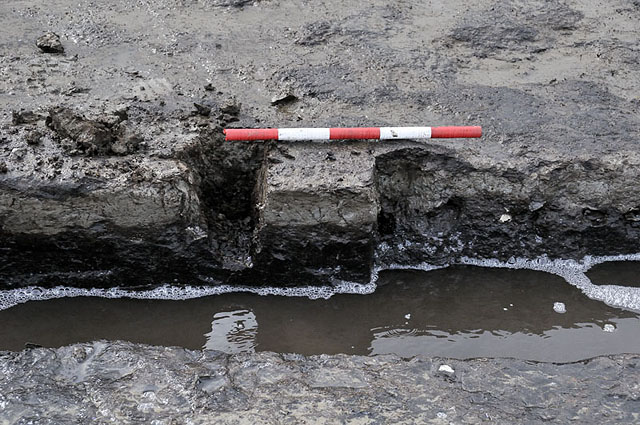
14,297
572,271
421,266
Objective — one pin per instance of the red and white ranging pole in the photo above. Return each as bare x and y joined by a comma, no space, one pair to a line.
357,133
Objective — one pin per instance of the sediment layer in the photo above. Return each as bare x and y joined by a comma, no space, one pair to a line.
114,171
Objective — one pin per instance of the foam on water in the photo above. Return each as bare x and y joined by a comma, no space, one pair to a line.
13,297
572,271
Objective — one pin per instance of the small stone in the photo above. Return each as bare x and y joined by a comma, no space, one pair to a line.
3,168
609,328
504,218
203,110
407,316
559,308
24,117
283,98
445,368
17,154
50,43
535,205
33,138
231,107
209,87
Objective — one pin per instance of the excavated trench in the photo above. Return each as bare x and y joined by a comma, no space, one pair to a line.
266,214
124,215
431,206
227,176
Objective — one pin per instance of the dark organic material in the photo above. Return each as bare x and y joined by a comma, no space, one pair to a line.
130,183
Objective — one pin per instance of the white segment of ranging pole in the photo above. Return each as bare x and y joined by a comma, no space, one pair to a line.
304,133
387,133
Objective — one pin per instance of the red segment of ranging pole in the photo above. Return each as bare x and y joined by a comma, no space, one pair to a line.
357,133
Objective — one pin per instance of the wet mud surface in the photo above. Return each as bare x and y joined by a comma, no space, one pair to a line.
122,382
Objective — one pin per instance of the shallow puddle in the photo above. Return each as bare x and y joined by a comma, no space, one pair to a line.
623,273
458,312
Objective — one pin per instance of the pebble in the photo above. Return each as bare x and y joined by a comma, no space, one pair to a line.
559,308
504,218
50,43
203,110
446,369
17,154
283,98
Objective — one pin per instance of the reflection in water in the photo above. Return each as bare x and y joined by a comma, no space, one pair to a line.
233,332
623,273
460,312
